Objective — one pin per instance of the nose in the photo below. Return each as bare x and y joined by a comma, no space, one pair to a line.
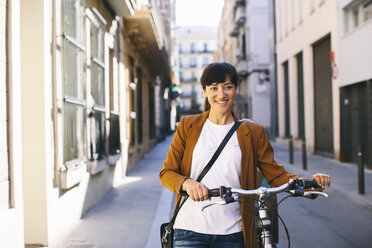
221,93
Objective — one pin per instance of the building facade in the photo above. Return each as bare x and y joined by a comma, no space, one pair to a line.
195,46
244,42
82,87
355,79
308,92
11,198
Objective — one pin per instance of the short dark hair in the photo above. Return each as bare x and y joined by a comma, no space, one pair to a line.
217,72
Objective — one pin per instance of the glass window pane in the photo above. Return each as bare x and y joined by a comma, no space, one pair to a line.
355,18
114,134
73,18
74,73
368,11
98,84
98,135
74,132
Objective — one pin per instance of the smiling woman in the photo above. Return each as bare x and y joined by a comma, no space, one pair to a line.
194,144
205,12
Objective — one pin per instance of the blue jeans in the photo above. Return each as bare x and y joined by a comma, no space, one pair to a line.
184,238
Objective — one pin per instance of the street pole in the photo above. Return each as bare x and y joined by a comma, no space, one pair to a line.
304,157
291,150
360,171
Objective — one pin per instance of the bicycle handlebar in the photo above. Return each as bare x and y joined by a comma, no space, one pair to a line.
294,186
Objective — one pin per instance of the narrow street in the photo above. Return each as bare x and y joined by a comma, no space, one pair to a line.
342,220
130,215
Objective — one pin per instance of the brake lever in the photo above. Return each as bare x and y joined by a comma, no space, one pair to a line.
316,193
214,203
226,200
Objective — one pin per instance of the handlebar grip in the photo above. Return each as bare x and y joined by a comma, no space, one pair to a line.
214,192
311,184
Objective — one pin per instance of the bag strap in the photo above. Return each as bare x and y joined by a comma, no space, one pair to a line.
206,168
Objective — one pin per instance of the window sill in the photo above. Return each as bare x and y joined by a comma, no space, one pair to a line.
96,166
112,159
72,175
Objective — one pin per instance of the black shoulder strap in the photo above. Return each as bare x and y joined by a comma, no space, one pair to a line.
207,167
219,150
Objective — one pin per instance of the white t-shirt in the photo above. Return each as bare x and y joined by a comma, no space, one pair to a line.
216,219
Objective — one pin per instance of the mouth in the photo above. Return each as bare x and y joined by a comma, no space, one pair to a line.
222,102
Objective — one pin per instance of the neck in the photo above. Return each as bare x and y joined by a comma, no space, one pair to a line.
221,119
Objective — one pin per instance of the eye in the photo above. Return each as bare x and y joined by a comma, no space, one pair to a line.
213,88
228,87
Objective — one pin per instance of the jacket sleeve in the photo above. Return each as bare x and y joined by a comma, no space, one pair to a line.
170,175
274,173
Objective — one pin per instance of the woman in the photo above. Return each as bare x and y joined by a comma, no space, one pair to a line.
195,141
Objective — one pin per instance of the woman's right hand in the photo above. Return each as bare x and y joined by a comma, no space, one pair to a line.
197,191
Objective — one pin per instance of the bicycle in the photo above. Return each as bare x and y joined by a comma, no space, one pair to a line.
296,187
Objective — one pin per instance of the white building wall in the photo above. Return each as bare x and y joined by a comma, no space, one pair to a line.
316,20
11,217
355,47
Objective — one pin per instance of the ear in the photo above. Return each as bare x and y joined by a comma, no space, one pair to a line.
204,92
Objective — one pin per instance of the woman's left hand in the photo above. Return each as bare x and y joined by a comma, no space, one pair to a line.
323,180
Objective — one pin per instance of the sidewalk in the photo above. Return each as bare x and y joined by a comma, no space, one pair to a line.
129,216
344,176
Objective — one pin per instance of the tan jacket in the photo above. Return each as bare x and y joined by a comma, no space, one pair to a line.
256,152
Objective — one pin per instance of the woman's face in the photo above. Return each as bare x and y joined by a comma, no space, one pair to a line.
221,96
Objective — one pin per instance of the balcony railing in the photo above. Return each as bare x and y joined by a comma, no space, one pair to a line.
240,15
194,51
187,80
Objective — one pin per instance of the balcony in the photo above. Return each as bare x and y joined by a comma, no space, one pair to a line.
239,2
240,15
146,32
122,7
234,31
242,68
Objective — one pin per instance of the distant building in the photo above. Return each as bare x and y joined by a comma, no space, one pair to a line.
355,79
196,45
243,41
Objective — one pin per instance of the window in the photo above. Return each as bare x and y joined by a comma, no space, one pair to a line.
367,11
97,116
181,76
244,49
139,106
205,61
193,77
205,47
132,109
74,107
355,17
192,48
114,143
192,62
151,106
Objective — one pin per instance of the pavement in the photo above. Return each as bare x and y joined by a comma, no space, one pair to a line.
130,214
